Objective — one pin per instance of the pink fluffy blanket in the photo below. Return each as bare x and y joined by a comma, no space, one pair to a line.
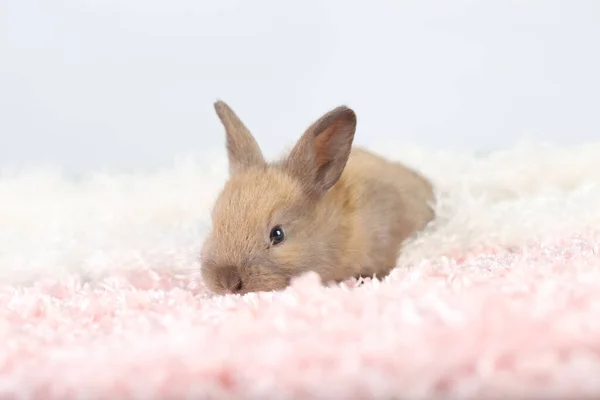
499,298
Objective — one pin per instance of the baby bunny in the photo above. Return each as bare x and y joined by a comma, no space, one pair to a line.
327,207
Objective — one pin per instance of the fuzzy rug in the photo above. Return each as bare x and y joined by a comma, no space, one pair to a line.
100,295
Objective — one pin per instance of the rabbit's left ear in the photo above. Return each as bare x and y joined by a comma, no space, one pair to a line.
320,155
242,149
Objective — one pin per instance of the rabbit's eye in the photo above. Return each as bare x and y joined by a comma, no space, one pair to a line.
277,235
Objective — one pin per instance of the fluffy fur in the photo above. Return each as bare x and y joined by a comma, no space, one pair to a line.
345,211
498,298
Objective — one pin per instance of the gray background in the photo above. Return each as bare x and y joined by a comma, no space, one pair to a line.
129,84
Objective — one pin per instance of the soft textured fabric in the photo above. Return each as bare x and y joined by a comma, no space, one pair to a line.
100,295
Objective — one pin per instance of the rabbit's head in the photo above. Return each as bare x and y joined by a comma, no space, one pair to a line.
266,223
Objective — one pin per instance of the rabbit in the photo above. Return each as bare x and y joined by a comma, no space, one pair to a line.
326,207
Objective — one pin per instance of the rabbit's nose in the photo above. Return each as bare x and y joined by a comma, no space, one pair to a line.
230,279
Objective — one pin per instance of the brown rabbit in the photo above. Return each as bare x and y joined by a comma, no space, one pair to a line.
326,207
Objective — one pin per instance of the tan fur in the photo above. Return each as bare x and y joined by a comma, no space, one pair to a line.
345,211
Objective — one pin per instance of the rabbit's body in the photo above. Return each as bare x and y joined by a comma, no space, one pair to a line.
380,204
326,207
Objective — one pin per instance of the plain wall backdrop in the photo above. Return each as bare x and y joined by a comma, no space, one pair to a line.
129,84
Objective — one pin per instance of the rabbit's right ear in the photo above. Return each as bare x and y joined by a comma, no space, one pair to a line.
242,149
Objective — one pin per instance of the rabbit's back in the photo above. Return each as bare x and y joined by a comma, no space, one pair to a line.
393,202
392,184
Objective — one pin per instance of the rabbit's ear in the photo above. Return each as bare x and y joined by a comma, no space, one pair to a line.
320,155
242,149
